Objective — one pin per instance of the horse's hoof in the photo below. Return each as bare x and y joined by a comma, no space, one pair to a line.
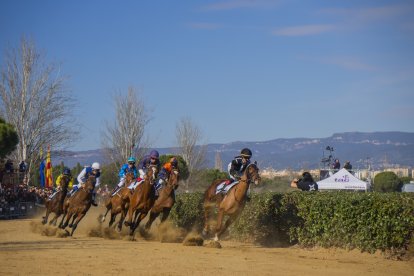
70,225
126,223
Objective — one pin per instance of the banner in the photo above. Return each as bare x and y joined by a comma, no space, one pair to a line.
42,173
49,178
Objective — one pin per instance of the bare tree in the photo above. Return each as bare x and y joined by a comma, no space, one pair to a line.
35,101
188,135
124,136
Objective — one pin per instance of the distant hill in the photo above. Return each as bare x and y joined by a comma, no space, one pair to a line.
377,148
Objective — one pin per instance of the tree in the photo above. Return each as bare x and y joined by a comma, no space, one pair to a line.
387,182
35,101
188,135
124,137
8,138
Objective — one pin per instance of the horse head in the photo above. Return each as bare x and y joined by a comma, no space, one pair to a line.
90,183
251,174
152,173
173,179
129,177
64,182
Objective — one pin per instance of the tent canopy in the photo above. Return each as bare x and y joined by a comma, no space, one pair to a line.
343,180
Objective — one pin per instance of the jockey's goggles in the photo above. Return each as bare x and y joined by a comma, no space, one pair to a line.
131,163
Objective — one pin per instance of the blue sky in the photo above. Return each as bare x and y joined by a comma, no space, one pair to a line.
241,70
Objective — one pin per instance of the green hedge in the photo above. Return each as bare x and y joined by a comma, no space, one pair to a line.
368,221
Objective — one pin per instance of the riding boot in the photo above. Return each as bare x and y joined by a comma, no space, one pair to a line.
93,202
115,190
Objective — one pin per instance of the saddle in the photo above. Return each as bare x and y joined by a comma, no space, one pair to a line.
225,186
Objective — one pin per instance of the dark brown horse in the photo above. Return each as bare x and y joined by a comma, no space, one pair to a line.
55,204
141,201
118,203
165,200
231,204
78,205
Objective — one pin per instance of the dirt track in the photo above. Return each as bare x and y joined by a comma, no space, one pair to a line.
27,247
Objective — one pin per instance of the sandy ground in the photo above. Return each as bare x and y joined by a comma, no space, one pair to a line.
28,247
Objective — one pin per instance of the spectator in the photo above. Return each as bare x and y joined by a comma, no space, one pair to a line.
306,183
336,165
22,167
9,166
348,166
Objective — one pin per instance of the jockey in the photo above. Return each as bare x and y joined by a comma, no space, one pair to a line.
237,166
126,168
151,159
83,176
165,172
66,172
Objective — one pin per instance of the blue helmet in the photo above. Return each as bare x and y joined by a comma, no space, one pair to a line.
154,154
131,160
66,171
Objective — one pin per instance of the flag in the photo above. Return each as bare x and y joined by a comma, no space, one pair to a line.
42,173
49,178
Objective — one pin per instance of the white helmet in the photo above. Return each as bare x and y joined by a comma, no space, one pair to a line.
96,166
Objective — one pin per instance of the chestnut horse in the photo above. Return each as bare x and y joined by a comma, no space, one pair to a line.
78,204
141,201
231,204
55,204
118,203
165,200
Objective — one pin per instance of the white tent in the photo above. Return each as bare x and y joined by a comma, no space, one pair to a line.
343,180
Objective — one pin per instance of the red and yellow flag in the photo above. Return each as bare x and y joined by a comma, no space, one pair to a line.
49,178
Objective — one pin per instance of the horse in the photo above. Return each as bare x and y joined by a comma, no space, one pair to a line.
55,204
141,201
165,200
231,204
118,203
78,204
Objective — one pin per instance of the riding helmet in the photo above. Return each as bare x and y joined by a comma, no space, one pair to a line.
173,161
154,154
96,166
131,160
66,171
246,153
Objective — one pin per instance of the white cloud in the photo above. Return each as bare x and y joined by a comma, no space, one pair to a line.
303,30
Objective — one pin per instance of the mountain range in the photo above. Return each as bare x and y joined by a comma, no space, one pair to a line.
376,149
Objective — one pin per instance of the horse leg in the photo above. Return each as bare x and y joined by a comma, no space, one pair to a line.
113,216
75,225
165,214
207,212
45,218
63,218
220,216
73,220
68,217
131,211
152,217
104,216
123,215
54,219
141,216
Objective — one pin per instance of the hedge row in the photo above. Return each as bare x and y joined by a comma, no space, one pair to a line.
368,221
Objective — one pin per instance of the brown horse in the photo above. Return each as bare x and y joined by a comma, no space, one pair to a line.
55,205
141,201
231,204
165,200
78,204
118,203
